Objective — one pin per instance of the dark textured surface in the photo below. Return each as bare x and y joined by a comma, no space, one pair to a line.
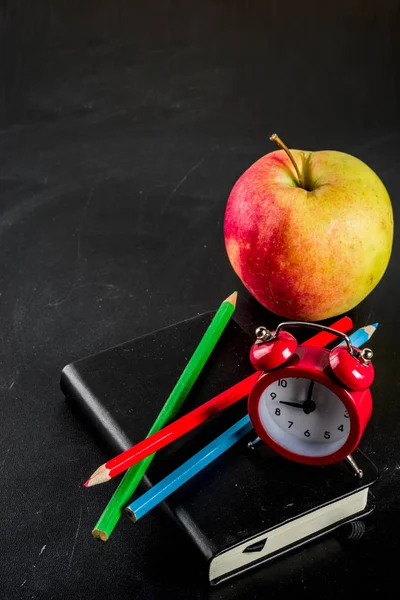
123,128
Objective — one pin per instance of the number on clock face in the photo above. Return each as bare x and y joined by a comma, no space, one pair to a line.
304,416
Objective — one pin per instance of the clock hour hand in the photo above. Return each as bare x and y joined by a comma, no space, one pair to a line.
294,404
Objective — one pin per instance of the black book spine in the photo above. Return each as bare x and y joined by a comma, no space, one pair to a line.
75,390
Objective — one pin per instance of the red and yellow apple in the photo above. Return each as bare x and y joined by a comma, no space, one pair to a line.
309,233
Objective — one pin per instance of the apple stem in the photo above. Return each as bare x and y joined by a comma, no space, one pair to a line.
275,138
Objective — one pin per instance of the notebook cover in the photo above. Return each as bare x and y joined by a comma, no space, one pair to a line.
243,493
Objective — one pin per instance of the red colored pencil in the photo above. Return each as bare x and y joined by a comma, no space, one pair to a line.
191,420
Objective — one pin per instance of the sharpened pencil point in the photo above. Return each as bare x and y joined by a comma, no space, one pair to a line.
232,298
370,329
101,475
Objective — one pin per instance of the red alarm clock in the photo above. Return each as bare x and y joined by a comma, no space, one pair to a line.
310,404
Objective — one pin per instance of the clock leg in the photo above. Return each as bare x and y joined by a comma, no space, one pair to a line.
254,443
350,460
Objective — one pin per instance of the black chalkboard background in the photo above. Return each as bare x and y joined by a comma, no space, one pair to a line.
123,126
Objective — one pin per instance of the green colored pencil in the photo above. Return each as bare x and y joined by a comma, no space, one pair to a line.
115,508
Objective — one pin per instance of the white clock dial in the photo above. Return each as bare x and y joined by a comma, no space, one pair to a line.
304,416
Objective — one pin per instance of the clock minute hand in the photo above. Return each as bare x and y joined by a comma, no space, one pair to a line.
309,404
294,404
310,391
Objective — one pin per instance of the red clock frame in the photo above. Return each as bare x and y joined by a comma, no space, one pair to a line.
313,363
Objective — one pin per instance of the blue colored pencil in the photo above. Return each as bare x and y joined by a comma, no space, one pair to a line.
164,488
362,335
189,469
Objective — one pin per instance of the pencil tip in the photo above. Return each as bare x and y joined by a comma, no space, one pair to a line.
232,298
101,475
376,325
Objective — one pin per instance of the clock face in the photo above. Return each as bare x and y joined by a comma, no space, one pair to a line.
304,416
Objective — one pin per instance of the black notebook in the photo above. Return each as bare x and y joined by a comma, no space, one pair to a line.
247,507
